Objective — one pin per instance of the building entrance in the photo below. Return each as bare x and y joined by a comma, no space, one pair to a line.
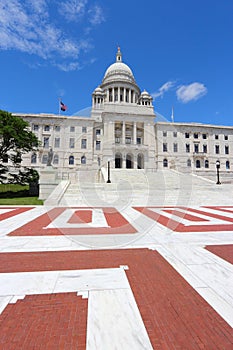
129,162
118,161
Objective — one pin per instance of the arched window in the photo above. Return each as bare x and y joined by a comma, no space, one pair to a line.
71,160
206,163
198,164
56,159
83,160
189,162
227,165
33,158
165,163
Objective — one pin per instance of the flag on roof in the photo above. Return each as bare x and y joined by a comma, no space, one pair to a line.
63,106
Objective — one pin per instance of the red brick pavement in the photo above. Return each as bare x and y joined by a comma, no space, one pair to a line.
37,227
176,226
13,212
174,314
49,321
223,251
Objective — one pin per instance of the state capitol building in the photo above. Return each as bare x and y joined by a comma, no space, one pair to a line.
122,128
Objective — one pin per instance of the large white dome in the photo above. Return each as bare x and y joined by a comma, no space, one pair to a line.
118,72
118,68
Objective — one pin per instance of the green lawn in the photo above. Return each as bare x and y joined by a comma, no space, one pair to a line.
11,194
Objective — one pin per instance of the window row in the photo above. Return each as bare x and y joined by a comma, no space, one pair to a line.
197,164
57,142
57,128
55,160
196,149
197,135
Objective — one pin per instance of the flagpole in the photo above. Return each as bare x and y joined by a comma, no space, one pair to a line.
172,116
59,105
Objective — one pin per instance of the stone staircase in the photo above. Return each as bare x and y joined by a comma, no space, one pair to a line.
136,187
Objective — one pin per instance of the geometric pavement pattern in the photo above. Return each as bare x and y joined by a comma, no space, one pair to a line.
174,314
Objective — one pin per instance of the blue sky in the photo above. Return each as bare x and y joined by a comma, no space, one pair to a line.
180,51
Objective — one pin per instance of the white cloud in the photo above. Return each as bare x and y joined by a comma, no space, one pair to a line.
96,15
73,10
29,27
164,88
68,67
191,92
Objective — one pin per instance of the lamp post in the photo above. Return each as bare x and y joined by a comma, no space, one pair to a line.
109,181
217,167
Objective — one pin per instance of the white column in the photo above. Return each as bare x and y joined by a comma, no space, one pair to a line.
124,96
123,133
135,133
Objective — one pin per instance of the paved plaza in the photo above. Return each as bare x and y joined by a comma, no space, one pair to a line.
119,275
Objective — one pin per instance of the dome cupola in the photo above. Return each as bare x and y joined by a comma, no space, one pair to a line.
119,84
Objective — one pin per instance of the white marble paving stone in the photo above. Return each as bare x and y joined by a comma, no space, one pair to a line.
19,283
219,304
98,219
217,278
19,220
95,279
114,322
4,301
27,282
182,268
3,211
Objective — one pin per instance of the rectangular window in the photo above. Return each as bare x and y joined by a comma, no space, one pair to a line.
226,149
98,145
97,132
35,127
204,148
174,134
128,140
164,133
139,141
57,128
195,135
44,159
204,136
72,129
187,147
84,129
175,147
72,142
226,137
46,142
187,135
84,143
117,140
216,137
57,142
217,149
164,147
196,148
47,128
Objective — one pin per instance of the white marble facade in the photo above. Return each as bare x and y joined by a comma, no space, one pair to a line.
123,128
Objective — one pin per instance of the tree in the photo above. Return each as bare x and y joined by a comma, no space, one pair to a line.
16,139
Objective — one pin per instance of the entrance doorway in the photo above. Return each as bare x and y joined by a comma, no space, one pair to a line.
118,161
129,162
140,161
